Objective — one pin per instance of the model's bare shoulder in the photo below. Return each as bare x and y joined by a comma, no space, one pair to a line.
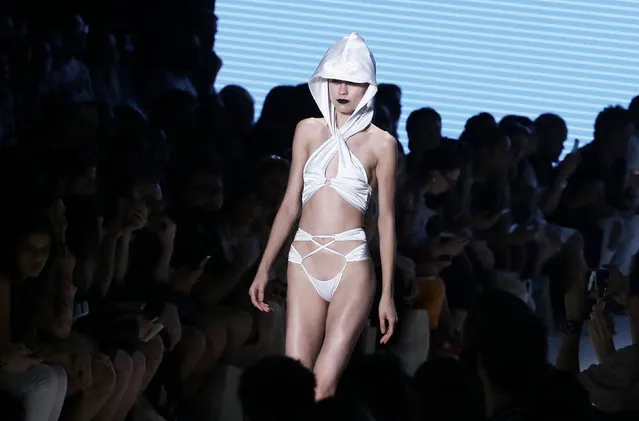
311,125
383,142
306,132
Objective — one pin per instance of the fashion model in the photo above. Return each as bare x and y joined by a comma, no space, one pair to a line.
337,162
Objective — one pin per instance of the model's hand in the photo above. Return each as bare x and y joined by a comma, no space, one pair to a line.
256,291
387,318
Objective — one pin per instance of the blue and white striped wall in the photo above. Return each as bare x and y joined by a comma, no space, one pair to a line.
458,56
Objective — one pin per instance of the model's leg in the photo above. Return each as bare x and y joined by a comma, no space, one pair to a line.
347,316
305,318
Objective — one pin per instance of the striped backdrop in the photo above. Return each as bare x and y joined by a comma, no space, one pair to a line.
458,56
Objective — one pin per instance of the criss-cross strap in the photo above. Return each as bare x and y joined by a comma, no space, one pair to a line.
326,288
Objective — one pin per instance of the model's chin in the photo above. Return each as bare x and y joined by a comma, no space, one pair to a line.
344,109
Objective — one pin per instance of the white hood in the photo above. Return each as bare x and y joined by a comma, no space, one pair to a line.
350,60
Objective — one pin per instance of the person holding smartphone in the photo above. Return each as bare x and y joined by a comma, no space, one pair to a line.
431,251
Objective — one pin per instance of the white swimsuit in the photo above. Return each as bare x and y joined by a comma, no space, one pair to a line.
349,60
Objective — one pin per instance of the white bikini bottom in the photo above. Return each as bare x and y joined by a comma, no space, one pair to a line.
327,288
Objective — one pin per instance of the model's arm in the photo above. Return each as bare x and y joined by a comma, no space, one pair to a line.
291,204
386,172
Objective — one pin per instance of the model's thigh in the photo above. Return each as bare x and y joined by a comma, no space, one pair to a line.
305,317
347,315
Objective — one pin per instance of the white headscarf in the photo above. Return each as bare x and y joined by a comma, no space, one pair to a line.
349,60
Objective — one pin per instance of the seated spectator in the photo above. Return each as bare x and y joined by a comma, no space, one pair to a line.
41,388
424,130
510,354
341,409
378,384
36,281
446,389
431,252
266,383
240,106
69,80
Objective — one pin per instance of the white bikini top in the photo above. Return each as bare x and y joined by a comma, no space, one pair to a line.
349,59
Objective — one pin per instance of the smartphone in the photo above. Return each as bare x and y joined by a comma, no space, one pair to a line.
80,309
599,281
575,146
157,328
197,263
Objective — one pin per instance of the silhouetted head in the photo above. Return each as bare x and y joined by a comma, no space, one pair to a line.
490,146
378,383
479,122
552,132
391,96
510,344
382,117
424,129
440,169
447,389
277,103
523,142
277,389
240,105
613,128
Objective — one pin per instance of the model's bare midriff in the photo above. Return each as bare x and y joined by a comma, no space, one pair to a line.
327,212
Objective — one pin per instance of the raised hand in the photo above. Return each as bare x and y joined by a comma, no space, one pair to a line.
600,331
